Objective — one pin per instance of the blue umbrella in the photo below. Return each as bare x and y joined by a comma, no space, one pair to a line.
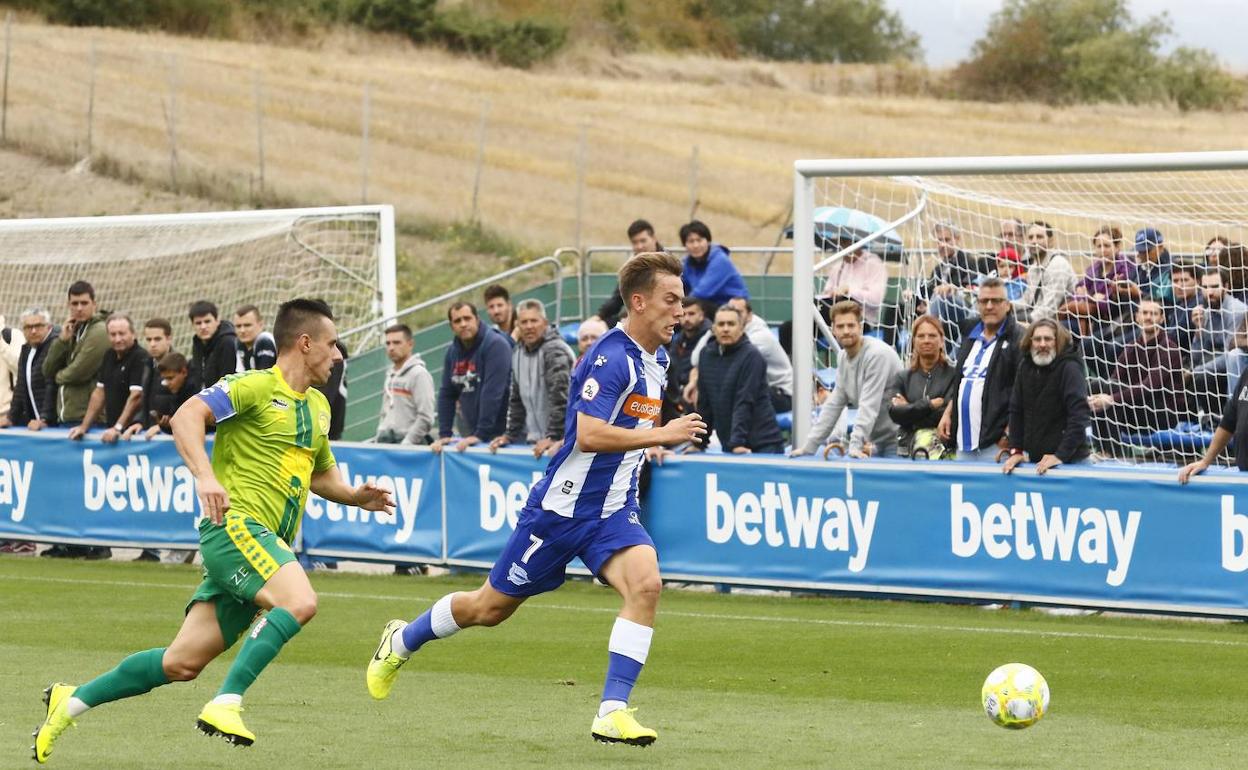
839,224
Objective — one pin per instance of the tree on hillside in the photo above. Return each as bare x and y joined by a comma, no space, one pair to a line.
1063,51
818,30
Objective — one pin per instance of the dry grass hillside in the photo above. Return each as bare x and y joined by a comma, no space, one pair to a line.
642,116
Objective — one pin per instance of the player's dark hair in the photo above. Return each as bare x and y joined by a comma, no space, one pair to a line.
295,317
694,227
638,274
160,323
494,291
173,361
403,329
457,305
81,287
201,308
245,309
638,227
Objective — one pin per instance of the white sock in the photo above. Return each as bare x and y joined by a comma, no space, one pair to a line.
396,644
610,705
442,620
228,699
75,707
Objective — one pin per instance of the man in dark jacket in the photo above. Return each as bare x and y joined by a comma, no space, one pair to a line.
476,376
693,327
215,349
732,390
120,383
641,238
1146,391
541,368
947,292
335,392
34,397
979,414
1049,414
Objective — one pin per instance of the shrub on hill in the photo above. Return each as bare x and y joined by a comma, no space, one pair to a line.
1067,51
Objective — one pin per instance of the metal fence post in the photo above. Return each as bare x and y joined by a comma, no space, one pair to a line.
476,180
91,103
4,101
259,94
365,119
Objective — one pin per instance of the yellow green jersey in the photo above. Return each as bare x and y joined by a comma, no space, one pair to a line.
270,441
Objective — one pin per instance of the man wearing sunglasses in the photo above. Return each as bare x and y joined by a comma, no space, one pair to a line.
976,419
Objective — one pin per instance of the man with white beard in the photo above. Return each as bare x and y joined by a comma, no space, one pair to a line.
1049,413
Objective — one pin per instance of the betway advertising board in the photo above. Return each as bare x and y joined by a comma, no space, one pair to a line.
1101,537
1096,536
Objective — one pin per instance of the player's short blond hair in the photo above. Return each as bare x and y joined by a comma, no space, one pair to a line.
639,273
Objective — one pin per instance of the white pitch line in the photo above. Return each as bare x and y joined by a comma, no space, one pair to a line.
411,598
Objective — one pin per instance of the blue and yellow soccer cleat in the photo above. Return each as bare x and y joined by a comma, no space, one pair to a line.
56,698
620,726
225,720
385,665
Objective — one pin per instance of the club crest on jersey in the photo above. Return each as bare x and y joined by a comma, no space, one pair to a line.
517,575
590,389
641,407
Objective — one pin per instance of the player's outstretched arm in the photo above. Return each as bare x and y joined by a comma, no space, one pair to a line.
594,434
189,427
330,485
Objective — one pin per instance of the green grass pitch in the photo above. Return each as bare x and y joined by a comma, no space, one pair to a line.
732,681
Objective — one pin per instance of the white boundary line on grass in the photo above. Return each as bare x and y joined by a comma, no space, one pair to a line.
706,615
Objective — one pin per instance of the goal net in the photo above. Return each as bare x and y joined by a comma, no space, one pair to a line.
156,266
941,226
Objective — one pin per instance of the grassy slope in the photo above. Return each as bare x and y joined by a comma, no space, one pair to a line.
740,681
643,114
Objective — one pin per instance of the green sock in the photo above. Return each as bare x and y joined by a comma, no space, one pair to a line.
135,675
276,628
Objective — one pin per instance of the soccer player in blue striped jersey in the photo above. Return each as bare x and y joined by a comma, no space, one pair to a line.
586,503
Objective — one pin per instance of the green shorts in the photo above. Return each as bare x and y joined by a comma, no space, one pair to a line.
239,558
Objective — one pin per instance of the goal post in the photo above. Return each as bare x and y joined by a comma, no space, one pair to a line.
1191,197
157,265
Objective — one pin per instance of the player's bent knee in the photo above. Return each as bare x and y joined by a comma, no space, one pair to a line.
303,608
181,669
646,590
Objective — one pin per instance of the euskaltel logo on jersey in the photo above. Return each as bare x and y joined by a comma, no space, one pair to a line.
641,407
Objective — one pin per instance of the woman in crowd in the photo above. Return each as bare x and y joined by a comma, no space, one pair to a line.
923,390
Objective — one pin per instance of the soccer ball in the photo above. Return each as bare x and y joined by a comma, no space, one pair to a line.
1015,696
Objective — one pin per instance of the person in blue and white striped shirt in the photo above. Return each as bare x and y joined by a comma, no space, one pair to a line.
978,417
586,504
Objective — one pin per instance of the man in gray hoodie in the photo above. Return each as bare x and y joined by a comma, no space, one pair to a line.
407,402
866,368
541,368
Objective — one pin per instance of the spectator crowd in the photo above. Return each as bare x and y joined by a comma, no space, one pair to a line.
1011,356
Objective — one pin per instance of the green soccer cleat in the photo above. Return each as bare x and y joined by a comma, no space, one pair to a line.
56,698
225,720
620,726
385,665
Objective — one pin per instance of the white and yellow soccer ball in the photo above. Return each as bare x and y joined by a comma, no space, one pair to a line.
1015,696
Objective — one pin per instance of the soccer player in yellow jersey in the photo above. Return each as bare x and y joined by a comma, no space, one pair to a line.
271,448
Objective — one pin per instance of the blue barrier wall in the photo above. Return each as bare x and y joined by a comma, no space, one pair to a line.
1102,537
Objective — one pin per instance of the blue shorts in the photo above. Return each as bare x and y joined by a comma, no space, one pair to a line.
544,543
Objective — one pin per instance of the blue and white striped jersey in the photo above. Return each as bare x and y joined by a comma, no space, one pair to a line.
620,383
